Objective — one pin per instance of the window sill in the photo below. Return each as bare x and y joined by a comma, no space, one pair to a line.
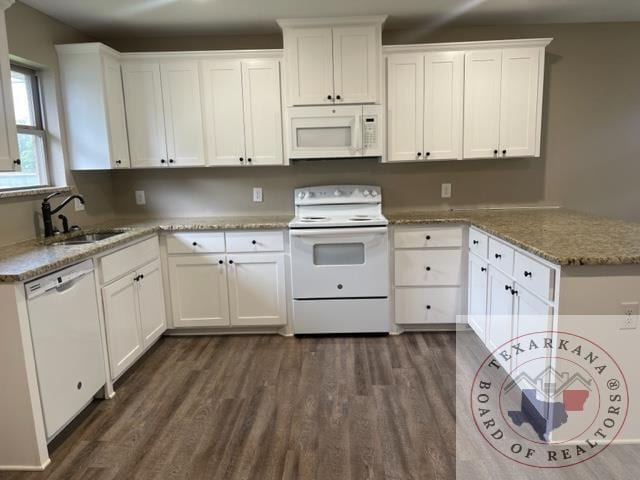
32,192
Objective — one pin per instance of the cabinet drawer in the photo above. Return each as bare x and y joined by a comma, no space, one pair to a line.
129,258
501,256
534,275
478,242
427,305
427,267
428,237
195,242
240,242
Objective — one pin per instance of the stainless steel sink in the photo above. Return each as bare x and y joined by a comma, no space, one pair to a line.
87,238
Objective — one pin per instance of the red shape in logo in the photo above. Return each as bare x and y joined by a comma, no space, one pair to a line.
574,400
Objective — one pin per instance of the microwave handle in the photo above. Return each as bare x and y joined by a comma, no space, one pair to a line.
358,133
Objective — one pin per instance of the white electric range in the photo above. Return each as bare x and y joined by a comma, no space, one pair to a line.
339,260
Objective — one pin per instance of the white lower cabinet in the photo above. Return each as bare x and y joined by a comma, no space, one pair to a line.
153,318
499,309
427,305
199,290
477,304
229,289
257,293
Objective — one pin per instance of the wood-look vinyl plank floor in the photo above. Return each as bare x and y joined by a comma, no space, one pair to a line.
274,408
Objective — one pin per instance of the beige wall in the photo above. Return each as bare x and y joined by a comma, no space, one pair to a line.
589,152
32,36
590,141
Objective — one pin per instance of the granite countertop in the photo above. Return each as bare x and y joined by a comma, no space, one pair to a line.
563,237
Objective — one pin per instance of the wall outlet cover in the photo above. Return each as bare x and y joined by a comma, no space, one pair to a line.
630,312
445,190
257,194
140,197
78,205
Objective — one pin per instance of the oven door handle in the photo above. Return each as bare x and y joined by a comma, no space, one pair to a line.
303,232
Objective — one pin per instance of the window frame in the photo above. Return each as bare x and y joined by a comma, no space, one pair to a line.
37,130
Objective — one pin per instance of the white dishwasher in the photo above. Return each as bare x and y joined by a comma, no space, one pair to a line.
65,330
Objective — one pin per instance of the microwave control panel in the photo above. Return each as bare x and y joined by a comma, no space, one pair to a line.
370,131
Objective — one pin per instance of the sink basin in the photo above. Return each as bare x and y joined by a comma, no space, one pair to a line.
87,238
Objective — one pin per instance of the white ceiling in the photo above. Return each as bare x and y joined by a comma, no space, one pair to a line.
126,18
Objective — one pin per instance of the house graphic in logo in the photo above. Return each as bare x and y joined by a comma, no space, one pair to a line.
546,399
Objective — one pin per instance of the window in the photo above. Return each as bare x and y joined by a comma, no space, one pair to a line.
31,134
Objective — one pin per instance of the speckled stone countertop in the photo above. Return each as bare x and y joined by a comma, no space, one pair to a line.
563,237
33,258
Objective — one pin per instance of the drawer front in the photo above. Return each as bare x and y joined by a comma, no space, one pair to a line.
428,237
427,267
427,305
501,256
129,258
195,242
478,242
534,275
240,242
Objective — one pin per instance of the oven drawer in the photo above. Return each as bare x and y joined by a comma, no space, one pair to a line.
241,242
340,263
427,267
425,237
427,305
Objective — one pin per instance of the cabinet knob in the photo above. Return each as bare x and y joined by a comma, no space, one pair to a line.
428,153
141,276
507,287
528,274
241,159
428,307
249,160
162,160
419,154
195,244
428,237
230,262
504,152
79,386
329,97
476,242
118,162
171,160
514,292
253,242
220,262
17,161
495,152
428,269
338,97
498,255
483,269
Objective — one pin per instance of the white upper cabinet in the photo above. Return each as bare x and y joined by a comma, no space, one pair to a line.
243,112
335,60
356,63
145,115
183,113
91,84
443,91
8,132
520,89
262,112
482,103
405,99
309,66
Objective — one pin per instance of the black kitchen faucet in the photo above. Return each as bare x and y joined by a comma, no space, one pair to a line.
47,212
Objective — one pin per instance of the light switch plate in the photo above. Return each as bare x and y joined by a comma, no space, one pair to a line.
78,205
257,194
140,197
445,190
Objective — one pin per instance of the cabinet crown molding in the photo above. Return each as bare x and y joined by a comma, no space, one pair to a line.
90,47
329,21
497,44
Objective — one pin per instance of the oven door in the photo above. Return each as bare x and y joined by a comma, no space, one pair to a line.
324,131
340,262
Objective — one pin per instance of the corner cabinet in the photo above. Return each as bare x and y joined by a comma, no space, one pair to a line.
332,61
464,100
91,84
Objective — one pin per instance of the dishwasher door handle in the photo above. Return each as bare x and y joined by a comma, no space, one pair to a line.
68,282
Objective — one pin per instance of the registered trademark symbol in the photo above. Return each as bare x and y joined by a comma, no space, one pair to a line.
613,384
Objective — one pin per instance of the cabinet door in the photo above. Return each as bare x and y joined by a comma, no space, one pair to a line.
199,291
477,304
309,66
262,112
145,117
519,102
124,338
443,91
257,289
8,132
482,103
499,311
153,318
405,101
224,112
114,103
355,64
183,113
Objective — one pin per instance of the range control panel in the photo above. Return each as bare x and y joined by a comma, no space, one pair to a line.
338,194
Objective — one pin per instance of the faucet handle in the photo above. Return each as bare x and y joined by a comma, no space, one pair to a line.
65,223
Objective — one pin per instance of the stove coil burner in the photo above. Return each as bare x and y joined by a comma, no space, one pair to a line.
312,219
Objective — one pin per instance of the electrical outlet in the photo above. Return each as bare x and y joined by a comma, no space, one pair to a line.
257,194
78,205
445,190
631,312
140,197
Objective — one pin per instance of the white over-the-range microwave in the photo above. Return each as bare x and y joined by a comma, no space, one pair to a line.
334,131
